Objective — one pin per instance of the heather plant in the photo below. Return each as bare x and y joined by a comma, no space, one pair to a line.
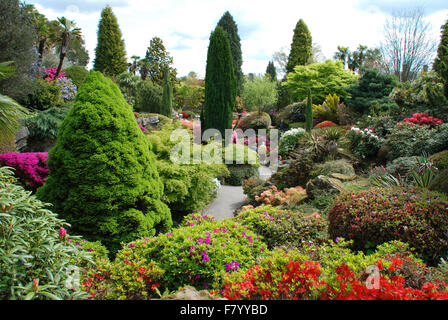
36,253
103,177
379,215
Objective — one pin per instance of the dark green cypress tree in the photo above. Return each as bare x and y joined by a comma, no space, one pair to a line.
309,113
167,98
110,53
271,72
103,178
228,24
441,62
220,84
301,47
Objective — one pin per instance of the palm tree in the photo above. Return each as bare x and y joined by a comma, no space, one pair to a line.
69,30
10,110
133,67
342,54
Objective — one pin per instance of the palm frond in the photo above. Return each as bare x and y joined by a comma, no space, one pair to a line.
10,113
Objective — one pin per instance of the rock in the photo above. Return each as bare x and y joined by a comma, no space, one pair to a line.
342,177
190,293
382,154
324,184
21,138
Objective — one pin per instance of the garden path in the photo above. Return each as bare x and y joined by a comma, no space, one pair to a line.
230,198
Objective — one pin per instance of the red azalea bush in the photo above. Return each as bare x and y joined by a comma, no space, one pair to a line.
325,124
423,118
370,218
31,168
295,277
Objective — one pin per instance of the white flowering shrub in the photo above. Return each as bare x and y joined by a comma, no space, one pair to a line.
364,142
290,140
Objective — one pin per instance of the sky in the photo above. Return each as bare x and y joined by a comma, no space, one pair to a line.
265,27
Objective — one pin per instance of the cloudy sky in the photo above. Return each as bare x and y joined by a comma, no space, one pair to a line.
264,26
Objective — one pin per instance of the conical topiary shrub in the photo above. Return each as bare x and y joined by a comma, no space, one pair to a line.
103,178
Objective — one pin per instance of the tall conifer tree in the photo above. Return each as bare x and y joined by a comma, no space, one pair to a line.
301,47
271,72
228,24
110,53
167,98
220,84
441,62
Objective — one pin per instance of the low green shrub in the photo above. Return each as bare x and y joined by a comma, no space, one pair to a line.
283,227
379,215
337,166
77,74
402,166
239,173
293,113
255,120
289,141
440,160
45,124
440,182
253,187
46,95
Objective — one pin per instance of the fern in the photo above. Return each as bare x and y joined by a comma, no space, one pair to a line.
45,124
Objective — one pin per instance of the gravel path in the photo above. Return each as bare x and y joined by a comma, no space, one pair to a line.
230,198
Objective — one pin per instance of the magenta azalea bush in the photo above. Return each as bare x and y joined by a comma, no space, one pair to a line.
31,168
51,73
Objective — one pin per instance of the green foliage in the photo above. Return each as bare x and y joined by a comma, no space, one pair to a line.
189,96
10,113
337,166
77,74
110,53
372,89
289,141
229,25
45,124
293,113
440,160
301,47
330,109
271,72
373,217
187,187
440,182
322,78
239,173
364,143
255,120
103,178
220,84
309,113
412,140
296,173
17,38
441,61
156,61
167,96
34,259
128,84
149,97
259,93
283,227
195,255
46,95
401,167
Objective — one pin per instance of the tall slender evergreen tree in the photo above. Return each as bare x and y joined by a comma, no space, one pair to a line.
301,47
309,113
271,72
220,84
110,53
441,62
167,98
229,25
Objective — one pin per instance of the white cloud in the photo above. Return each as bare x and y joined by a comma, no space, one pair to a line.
264,26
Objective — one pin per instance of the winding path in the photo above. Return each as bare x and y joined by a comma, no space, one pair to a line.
230,198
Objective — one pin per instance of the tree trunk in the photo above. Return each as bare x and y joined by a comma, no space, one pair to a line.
42,50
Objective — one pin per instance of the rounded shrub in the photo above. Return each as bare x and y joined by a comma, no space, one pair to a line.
46,95
293,113
239,173
283,227
149,97
337,166
290,140
440,160
77,74
440,182
103,178
379,215
197,255
255,120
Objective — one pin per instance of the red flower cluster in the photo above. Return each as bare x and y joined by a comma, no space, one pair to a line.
325,124
423,118
300,280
